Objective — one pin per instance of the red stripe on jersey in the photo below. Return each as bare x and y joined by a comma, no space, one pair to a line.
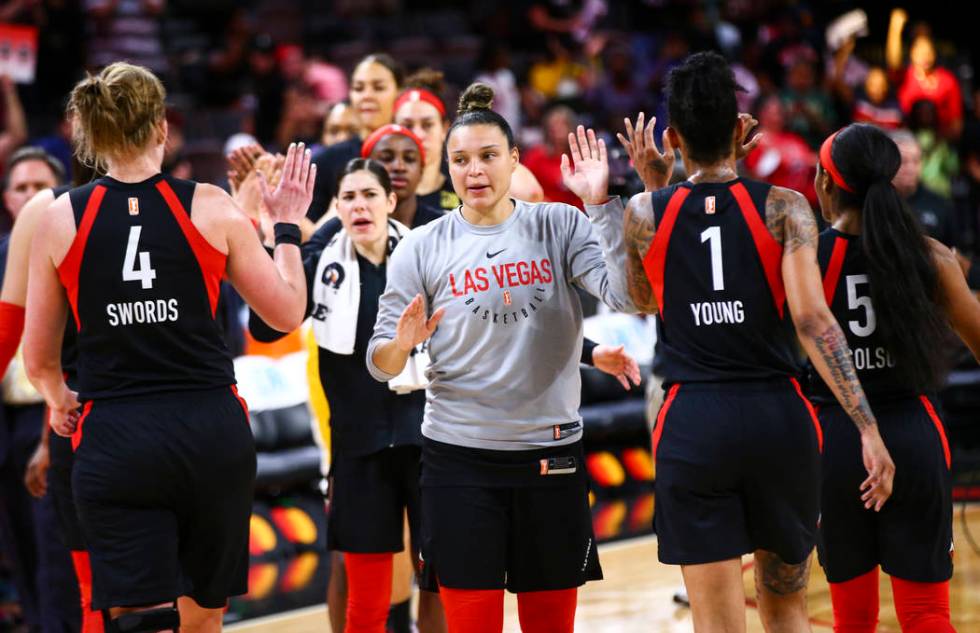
76,437
661,417
812,411
939,428
656,257
71,265
770,251
241,401
832,275
210,259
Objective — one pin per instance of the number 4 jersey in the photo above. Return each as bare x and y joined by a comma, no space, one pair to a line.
716,273
848,293
142,284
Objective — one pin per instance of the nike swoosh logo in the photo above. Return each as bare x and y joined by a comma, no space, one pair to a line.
492,255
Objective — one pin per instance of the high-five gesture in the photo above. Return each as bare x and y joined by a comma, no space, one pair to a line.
653,167
413,327
744,146
589,177
291,197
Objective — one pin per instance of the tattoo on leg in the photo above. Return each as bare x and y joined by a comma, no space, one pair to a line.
775,576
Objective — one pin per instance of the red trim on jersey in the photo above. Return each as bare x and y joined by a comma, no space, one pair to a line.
939,428
656,257
210,259
70,266
241,401
661,417
770,251
832,276
76,437
811,410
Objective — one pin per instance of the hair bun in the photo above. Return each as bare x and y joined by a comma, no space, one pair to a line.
475,98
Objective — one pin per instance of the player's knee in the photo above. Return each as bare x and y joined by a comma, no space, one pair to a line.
778,578
144,621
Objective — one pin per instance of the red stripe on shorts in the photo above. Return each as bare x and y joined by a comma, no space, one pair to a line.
813,412
661,417
939,428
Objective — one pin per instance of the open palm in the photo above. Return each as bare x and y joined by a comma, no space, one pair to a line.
588,178
414,326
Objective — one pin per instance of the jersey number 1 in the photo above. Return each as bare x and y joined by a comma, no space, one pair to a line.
713,236
145,273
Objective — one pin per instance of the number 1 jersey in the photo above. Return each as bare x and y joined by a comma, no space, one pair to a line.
716,272
143,286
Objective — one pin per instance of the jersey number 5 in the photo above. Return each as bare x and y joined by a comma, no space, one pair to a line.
712,235
854,302
145,273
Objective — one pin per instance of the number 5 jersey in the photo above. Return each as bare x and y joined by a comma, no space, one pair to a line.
142,284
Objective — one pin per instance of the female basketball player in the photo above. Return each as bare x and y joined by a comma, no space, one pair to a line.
164,460
719,259
421,109
895,293
504,498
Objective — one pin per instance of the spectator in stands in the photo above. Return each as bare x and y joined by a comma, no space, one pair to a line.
940,161
875,103
933,211
494,69
618,93
125,29
29,170
782,157
341,124
14,131
809,110
544,160
268,86
922,78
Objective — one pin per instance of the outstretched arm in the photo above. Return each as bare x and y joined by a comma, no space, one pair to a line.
638,228
821,335
961,305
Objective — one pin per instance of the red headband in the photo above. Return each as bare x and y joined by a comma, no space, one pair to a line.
387,130
421,94
827,162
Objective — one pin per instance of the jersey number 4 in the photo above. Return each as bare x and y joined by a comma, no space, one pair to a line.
712,235
145,273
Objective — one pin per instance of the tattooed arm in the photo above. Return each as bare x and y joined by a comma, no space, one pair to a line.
638,234
791,222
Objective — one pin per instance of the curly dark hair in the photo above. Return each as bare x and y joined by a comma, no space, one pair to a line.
702,107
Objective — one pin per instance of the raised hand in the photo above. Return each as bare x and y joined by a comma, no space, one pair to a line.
241,162
748,124
291,197
617,363
413,327
589,177
653,167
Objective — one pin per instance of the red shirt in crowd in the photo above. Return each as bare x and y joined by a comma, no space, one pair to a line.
940,87
785,160
547,169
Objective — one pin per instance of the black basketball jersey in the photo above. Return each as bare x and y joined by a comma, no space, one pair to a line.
848,293
143,285
716,273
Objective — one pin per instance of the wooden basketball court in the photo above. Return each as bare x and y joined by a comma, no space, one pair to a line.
637,595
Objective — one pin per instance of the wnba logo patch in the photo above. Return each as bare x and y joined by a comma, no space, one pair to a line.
134,206
507,299
709,205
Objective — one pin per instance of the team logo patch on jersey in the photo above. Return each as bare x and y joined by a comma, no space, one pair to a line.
507,300
134,206
709,205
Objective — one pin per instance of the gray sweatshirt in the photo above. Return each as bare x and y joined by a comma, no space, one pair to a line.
504,371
